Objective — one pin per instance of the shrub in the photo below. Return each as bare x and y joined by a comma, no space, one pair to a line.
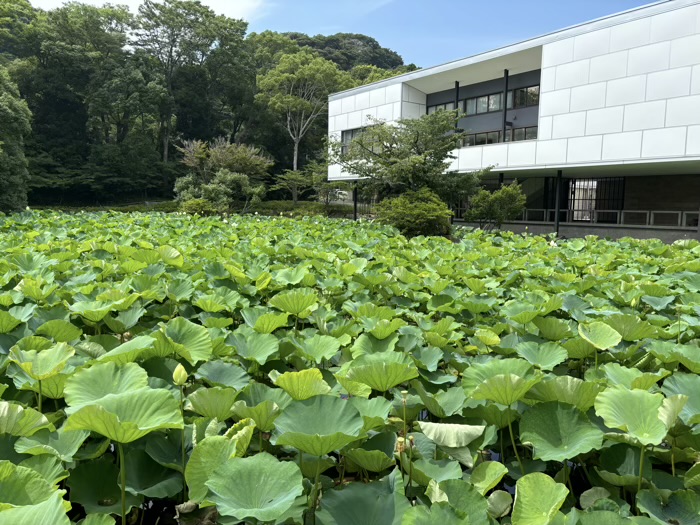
199,206
494,208
416,213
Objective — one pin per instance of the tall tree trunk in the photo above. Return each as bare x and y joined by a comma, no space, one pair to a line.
166,140
296,154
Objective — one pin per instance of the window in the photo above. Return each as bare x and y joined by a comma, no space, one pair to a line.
481,139
518,134
484,104
347,136
523,97
471,106
449,106
495,102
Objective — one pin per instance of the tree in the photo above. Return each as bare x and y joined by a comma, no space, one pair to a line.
295,182
297,90
177,33
408,156
494,208
15,117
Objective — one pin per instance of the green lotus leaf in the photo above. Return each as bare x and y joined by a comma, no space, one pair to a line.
600,335
374,411
319,425
51,510
451,435
98,519
578,348
682,507
303,384
426,469
209,453
145,477
544,356
50,468
443,403
16,420
558,431
8,322
488,337
42,364
269,322
60,331
552,328
487,475
384,328
537,499
368,344
354,388
215,402
689,386
129,351
630,327
566,389
319,347
89,385
692,477
381,371
464,497
186,339
127,417
94,484
633,411
125,320
590,496
499,504
631,377
437,513
254,346
62,443
370,460
378,503
296,302
221,373
620,465
519,312
93,311
262,404
505,389
686,354
259,487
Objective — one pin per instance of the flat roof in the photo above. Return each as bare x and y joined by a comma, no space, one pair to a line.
568,32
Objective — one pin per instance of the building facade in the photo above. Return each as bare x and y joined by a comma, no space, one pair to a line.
599,123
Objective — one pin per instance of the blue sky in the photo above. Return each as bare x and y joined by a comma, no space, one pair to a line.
423,32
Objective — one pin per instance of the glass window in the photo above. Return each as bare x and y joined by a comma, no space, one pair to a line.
509,100
492,137
495,102
450,106
531,133
482,104
519,134
470,140
471,106
480,139
509,135
533,96
431,109
520,98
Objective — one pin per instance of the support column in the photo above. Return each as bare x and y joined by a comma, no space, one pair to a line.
505,104
456,94
557,203
354,201
500,180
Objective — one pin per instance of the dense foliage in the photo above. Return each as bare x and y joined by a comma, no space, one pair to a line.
113,93
336,370
493,208
416,213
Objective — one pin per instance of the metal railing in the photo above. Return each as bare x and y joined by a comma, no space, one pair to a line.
658,218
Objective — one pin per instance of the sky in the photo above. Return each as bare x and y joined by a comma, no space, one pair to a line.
423,32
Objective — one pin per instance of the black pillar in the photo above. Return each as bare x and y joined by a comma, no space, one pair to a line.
456,94
354,201
500,180
557,202
505,104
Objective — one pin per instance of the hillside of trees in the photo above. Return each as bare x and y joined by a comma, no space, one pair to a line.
100,101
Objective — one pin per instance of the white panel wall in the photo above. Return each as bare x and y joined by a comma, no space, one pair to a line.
629,92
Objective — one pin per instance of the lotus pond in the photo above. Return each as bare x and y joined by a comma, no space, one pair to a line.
174,369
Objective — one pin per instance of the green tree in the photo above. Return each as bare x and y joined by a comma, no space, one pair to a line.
494,208
409,156
179,33
15,117
297,183
297,90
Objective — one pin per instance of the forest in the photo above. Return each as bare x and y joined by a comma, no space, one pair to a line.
99,104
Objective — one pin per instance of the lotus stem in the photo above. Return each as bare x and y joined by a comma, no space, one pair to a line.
567,475
410,460
641,469
182,443
122,468
512,440
585,471
313,500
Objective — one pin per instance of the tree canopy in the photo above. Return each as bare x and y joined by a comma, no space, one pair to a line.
113,94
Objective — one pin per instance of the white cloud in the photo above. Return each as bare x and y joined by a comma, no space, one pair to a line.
246,9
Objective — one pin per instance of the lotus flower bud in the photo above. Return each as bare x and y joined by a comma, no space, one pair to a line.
400,445
180,375
404,394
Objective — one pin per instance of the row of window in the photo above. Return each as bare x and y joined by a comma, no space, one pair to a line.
518,98
494,137
346,138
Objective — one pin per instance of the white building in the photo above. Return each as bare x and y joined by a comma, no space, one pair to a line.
608,111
